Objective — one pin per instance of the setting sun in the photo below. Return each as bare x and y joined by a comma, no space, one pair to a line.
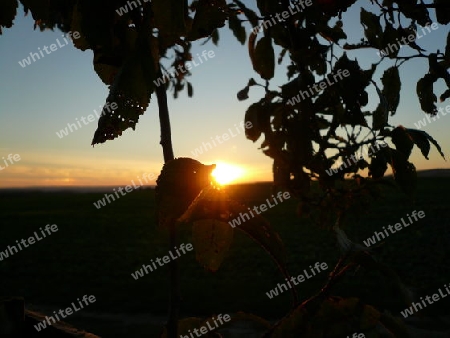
226,173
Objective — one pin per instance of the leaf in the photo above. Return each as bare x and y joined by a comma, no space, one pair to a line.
263,59
243,94
372,28
426,95
214,204
211,240
215,37
130,92
381,114
190,89
378,165
251,116
402,140
180,182
8,11
251,15
130,95
422,139
170,19
106,66
445,95
76,26
238,30
210,15
442,13
447,50
391,88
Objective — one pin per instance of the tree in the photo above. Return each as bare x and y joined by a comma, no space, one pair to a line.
313,122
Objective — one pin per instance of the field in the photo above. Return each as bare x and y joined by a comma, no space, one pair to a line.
95,251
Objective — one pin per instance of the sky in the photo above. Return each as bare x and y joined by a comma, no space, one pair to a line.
39,100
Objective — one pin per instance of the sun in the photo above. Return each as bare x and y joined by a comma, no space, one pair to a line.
226,173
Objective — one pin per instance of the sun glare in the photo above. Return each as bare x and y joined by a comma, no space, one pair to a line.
226,173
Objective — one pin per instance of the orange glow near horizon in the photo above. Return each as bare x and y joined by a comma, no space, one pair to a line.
226,173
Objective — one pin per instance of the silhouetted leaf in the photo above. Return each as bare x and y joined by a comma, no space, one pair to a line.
170,19
391,88
445,95
131,88
236,27
210,15
422,140
378,165
402,140
215,37
264,58
243,94
214,204
180,182
372,28
251,115
8,11
211,240
426,95
190,89
447,50
77,26
442,14
251,15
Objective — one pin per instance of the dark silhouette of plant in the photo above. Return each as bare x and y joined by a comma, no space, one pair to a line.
307,125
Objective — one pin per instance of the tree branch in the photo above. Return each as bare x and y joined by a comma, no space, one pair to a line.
174,268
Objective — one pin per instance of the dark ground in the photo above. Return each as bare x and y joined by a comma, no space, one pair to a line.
95,251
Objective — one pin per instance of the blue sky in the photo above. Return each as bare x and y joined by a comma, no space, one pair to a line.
39,100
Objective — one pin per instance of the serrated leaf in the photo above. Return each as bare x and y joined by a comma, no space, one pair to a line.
106,66
130,91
